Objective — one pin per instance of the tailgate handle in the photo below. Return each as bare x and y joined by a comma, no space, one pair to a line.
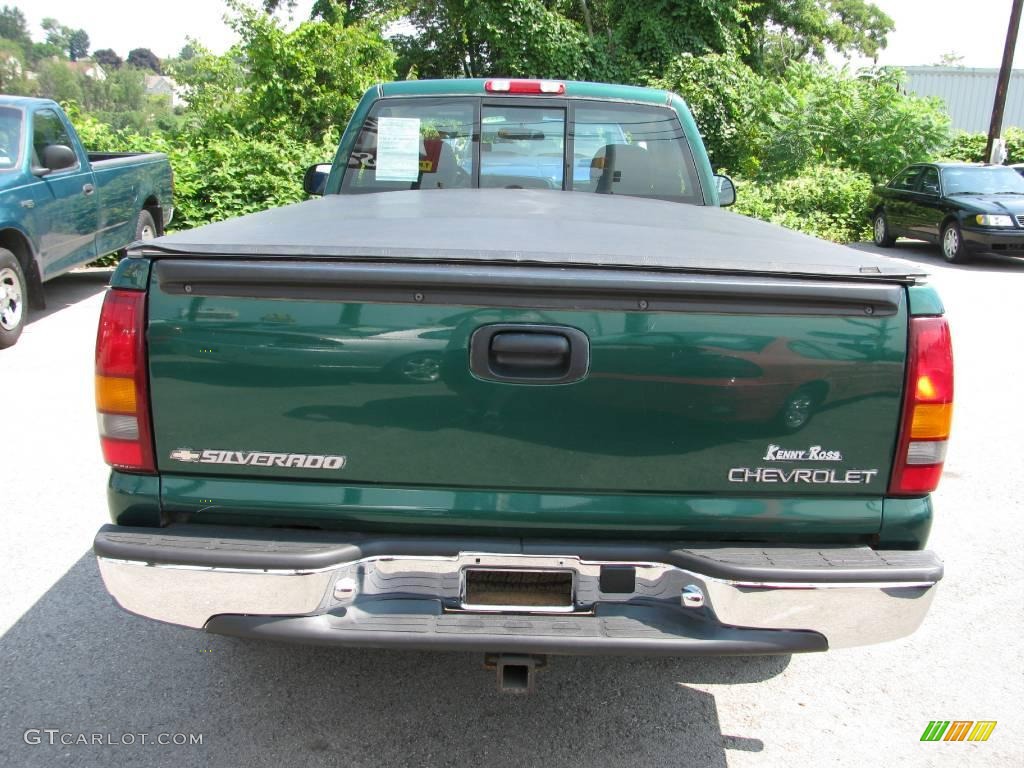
529,350
529,354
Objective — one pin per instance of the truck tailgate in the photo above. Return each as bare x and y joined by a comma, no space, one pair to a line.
364,374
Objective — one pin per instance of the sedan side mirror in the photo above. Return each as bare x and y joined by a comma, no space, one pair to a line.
315,181
726,190
57,157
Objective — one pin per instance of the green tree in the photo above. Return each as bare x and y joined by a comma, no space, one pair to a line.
777,32
344,11
722,93
14,28
78,45
303,82
655,31
41,51
108,58
479,38
214,87
58,82
143,58
57,34
12,69
766,127
818,114
72,43
620,39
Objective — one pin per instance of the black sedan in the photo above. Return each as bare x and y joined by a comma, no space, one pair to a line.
967,209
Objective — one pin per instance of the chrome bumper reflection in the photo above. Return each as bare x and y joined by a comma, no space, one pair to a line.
847,614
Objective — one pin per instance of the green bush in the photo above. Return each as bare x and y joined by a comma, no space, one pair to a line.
826,202
771,127
970,147
301,83
722,93
222,177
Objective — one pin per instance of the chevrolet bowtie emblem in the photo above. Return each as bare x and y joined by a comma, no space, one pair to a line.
183,454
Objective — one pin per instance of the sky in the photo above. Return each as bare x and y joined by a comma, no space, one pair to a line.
925,29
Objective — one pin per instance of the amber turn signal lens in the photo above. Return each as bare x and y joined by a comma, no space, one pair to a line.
115,394
931,421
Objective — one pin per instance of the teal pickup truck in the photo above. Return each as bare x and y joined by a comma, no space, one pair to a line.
62,207
518,384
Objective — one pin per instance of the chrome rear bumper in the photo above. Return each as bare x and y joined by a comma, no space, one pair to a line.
358,593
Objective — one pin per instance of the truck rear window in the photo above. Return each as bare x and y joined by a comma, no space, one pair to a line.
413,144
583,146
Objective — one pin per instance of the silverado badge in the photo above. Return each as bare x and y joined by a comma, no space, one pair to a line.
259,459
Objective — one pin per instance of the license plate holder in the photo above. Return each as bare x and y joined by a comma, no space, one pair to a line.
518,590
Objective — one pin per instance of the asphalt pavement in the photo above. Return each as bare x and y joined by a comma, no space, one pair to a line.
72,664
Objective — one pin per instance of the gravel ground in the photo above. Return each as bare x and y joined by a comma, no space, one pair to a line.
71,661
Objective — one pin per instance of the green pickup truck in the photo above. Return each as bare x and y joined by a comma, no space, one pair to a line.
453,405
62,207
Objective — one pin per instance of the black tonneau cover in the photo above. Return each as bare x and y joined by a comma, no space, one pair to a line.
505,226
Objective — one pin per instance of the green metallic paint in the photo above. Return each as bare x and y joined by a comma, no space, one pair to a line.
642,447
906,523
224,501
924,300
475,87
672,401
700,154
134,499
132,274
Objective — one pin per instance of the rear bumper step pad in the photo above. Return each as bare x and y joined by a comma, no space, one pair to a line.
615,630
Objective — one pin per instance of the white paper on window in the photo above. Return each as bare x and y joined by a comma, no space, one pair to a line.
398,149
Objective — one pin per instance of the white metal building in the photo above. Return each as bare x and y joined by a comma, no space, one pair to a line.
968,94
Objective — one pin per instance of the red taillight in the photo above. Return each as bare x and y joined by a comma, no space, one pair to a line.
122,392
927,408
550,87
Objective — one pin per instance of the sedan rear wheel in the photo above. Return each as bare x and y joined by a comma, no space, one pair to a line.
880,227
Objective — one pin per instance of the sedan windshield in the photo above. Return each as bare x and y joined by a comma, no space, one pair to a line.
996,180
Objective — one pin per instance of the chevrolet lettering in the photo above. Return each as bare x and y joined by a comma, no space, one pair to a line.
586,410
814,476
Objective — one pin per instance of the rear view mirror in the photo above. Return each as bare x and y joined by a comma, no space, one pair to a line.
315,181
520,134
726,191
57,157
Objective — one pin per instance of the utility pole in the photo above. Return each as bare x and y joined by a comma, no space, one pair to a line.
996,127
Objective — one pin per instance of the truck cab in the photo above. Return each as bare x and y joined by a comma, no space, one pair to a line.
523,134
